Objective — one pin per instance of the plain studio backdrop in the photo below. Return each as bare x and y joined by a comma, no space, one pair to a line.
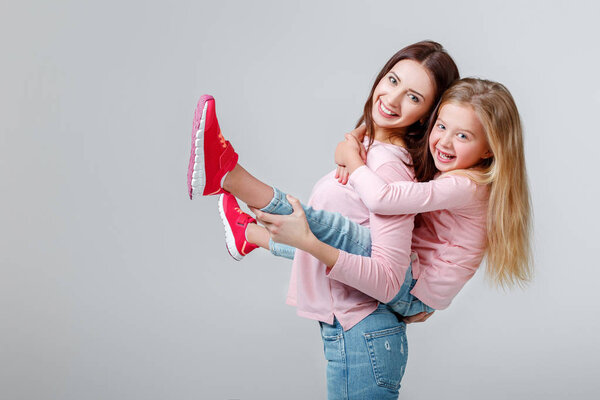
114,285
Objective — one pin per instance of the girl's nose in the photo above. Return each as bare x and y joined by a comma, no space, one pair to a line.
446,139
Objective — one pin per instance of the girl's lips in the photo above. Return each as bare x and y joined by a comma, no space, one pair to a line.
442,159
383,113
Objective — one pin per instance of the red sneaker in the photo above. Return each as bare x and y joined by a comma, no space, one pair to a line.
235,222
211,156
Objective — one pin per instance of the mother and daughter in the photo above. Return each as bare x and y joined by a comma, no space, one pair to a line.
397,230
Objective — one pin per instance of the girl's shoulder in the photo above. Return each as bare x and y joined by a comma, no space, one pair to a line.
465,183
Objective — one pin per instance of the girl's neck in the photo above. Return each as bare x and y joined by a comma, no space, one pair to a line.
385,136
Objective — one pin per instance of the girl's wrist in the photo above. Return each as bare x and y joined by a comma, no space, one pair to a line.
353,164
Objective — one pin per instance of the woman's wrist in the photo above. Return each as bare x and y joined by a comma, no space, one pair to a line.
325,253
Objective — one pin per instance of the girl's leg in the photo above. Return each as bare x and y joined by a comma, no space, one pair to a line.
260,236
405,303
331,228
247,187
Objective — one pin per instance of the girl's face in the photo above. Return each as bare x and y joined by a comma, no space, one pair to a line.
458,139
403,96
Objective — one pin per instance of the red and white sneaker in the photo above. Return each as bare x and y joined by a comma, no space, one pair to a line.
235,222
211,156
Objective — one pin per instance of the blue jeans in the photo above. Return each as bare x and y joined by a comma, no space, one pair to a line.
344,234
368,360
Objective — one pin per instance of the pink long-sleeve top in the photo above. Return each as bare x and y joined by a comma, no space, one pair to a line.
354,286
450,233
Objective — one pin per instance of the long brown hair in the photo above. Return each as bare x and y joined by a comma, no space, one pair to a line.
442,70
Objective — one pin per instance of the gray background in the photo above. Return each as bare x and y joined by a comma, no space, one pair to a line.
113,285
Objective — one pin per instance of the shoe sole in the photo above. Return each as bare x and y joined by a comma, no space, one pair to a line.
196,176
229,238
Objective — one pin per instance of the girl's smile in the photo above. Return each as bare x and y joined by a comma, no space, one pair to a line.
458,139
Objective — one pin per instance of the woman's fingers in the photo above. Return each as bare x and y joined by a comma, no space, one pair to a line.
263,217
296,206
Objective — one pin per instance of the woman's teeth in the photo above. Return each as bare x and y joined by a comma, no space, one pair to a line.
385,110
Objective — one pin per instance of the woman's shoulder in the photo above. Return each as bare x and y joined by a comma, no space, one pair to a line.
385,152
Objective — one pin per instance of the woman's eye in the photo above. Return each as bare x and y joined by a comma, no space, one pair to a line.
413,98
393,80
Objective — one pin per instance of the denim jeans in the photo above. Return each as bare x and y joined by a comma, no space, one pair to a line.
344,234
368,360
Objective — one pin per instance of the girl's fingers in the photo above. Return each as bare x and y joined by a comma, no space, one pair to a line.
363,153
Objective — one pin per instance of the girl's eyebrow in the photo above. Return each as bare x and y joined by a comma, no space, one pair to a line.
459,129
409,89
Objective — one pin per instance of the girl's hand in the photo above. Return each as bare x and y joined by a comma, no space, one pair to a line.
342,174
350,154
359,133
420,317
290,229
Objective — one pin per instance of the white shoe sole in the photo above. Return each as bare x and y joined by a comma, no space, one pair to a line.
198,177
229,238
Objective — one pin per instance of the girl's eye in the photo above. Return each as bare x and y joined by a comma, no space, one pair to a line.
413,98
461,136
393,80
441,126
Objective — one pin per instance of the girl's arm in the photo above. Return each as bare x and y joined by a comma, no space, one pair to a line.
400,197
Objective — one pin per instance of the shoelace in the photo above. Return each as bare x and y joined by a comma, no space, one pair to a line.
222,140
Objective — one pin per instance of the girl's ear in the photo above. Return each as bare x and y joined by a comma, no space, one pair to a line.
487,154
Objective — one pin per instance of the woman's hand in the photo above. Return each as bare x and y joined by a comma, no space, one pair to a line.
290,229
420,317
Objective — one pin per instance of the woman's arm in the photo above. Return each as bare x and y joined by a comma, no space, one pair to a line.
293,230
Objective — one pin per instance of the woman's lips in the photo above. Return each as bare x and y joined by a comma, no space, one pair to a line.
382,110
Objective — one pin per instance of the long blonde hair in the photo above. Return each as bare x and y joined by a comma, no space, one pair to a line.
509,259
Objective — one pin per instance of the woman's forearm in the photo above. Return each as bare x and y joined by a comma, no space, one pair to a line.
323,252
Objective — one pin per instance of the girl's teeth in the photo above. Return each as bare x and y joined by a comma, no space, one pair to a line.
445,156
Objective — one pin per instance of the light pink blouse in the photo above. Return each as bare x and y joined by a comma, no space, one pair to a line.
449,235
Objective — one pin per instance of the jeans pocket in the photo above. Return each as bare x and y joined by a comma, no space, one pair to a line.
388,351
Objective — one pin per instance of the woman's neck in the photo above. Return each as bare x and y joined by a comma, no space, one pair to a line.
385,136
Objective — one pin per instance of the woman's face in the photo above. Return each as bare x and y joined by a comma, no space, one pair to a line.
403,96
458,139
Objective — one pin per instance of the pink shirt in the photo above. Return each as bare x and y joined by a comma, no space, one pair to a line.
449,236
355,285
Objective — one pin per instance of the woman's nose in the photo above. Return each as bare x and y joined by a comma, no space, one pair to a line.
395,97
